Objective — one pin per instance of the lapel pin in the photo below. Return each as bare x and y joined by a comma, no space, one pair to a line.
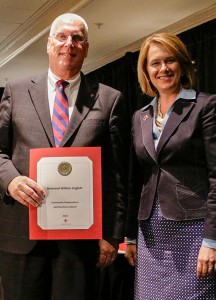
145,117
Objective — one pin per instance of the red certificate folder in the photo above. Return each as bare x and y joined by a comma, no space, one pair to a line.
95,230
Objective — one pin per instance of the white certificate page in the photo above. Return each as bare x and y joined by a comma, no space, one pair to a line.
69,193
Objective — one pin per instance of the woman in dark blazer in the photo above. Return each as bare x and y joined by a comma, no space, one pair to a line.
173,181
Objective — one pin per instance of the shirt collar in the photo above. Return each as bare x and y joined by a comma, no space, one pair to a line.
72,81
183,94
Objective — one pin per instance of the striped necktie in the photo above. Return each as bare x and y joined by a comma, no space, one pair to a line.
60,117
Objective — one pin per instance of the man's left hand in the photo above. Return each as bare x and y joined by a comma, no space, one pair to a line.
108,252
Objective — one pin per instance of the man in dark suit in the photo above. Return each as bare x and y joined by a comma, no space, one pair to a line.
64,269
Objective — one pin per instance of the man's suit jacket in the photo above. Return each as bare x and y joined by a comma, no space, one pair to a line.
181,171
99,119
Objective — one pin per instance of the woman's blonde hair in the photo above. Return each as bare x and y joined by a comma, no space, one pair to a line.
178,49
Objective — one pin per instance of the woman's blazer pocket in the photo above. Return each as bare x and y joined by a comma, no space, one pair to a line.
192,198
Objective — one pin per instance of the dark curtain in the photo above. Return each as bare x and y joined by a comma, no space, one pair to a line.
201,43
1,92
122,75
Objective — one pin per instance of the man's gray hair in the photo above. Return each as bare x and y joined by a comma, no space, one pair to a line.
69,17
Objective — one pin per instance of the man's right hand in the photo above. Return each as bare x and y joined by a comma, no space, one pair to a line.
26,191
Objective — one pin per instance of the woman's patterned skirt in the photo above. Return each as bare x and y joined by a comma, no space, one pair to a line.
167,259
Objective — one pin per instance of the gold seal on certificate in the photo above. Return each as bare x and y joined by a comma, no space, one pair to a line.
64,168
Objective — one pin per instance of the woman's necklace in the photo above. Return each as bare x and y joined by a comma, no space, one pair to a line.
159,117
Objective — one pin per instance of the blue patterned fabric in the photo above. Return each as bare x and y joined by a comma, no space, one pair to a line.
167,259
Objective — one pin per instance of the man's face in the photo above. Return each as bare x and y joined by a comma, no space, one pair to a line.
66,57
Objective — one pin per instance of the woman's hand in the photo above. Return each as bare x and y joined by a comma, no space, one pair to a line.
130,254
206,262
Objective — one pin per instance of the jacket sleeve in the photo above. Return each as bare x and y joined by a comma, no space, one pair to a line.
7,168
115,157
209,139
135,187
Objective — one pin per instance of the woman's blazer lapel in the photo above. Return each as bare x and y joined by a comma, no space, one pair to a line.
146,121
180,110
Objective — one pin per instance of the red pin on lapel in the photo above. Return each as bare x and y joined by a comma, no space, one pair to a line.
145,117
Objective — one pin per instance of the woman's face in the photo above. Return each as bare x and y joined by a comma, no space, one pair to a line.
163,69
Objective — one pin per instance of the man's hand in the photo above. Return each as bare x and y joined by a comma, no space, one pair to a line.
26,191
206,262
108,252
130,254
